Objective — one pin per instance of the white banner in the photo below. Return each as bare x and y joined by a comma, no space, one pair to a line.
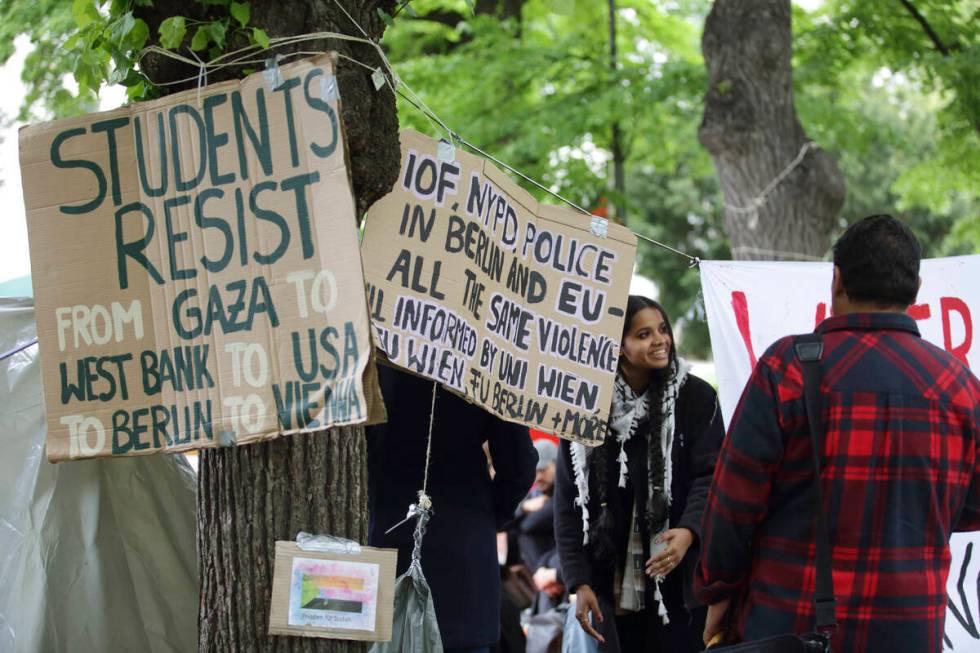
751,304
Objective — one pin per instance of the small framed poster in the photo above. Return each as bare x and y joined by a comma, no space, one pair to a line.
334,595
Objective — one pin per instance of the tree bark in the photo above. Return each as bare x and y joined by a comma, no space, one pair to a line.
751,130
370,121
251,496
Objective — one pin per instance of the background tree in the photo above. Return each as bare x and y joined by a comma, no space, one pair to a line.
251,496
752,131
535,90
891,102
887,88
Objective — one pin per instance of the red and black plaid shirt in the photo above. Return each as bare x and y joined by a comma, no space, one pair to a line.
900,473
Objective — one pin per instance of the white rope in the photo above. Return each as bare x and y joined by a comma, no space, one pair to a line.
202,77
775,253
240,57
423,496
351,18
759,200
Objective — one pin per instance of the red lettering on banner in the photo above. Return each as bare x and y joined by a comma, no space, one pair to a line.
740,304
947,305
919,312
821,314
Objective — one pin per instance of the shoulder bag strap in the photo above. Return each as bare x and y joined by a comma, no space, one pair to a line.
809,349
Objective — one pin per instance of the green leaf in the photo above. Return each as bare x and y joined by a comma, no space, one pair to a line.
117,76
472,5
410,10
260,37
132,78
202,36
172,32
241,12
386,17
122,27
135,92
218,30
84,12
139,35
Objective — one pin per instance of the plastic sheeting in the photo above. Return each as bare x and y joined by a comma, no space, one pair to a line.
95,555
414,628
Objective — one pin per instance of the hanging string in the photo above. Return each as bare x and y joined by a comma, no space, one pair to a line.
424,509
351,18
775,253
694,260
241,57
423,496
16,350
202,77
759,200
423,519
424,506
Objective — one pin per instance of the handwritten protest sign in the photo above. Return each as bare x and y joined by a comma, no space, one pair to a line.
516,305
195,269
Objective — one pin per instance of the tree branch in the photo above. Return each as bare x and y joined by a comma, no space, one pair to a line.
931,33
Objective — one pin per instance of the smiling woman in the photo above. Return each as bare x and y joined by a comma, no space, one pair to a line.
644,489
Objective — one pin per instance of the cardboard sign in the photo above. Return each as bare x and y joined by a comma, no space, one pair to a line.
333,595
196,271
517,306
751,304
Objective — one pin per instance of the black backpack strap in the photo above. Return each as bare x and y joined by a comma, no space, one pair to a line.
809,350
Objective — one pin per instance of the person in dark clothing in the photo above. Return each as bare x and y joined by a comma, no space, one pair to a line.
535,524
459,554
628,513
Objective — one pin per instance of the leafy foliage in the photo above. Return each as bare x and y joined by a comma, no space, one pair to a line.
888,87
536,90
99,43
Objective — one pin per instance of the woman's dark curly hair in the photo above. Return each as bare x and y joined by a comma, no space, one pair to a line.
602,529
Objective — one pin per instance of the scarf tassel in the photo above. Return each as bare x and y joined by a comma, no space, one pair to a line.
623,470
661,608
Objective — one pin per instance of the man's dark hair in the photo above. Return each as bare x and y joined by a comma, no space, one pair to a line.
878,257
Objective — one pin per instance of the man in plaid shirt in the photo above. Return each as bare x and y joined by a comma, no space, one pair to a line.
900,469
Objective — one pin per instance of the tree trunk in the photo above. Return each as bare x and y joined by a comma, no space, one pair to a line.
751,130
618,158
251,496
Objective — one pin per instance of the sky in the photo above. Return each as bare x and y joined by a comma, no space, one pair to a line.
14,257
14,261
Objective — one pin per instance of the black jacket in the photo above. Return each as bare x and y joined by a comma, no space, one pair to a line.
536,534
698,433
459,552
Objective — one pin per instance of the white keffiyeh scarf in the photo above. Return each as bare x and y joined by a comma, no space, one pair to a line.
628,411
